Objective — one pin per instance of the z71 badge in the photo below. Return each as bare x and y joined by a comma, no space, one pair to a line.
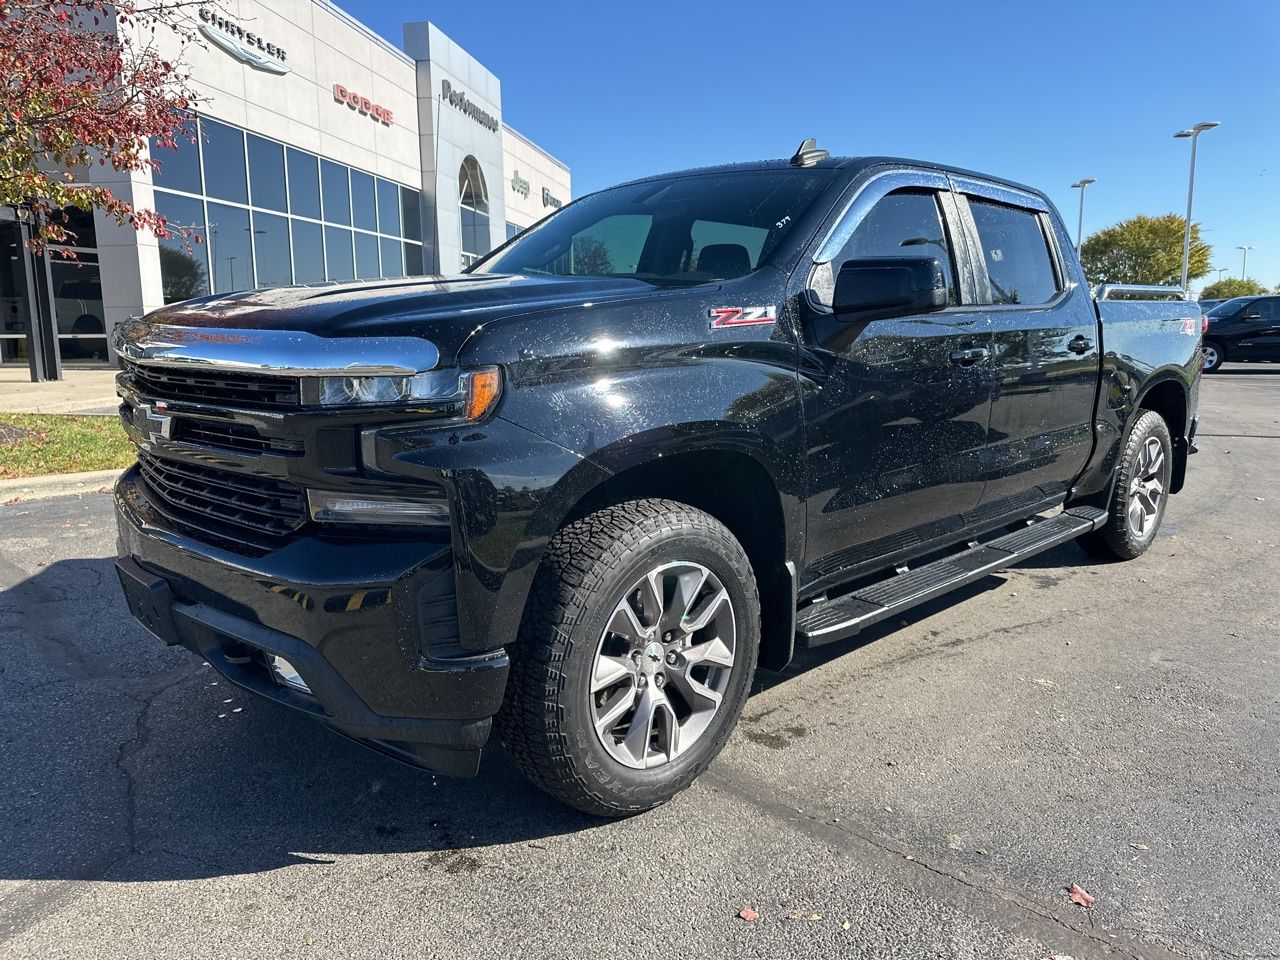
741,316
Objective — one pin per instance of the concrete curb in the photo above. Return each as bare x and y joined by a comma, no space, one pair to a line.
56,485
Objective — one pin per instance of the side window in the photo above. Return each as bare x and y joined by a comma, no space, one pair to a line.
1018,262
1270,310
903,224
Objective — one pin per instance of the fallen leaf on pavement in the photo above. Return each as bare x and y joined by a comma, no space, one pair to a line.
911,856
15,500
815,917
845,925
1139,846
1078,894
746,913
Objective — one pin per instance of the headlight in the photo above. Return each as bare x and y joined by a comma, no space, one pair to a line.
474,392
336,507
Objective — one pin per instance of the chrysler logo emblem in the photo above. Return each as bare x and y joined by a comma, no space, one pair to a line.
152,422
245,45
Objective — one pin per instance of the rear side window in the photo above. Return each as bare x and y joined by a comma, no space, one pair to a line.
904,224
1017,255
1267,309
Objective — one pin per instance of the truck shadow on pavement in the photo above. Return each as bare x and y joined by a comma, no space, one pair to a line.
131,761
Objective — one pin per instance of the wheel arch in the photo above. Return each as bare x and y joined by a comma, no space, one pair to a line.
731,483
1168,398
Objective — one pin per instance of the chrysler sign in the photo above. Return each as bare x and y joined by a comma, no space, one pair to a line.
245,45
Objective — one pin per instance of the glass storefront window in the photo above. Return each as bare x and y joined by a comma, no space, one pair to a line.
77,305
388,207
271,250
413,259
308,252
80,227
184,270
304,184
410,207
337,254
337,194
363,205
266,173
178,167
392,263
230,252
223,149
367,256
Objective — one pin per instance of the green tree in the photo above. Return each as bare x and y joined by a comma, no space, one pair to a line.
1232,287
591,257
1144,250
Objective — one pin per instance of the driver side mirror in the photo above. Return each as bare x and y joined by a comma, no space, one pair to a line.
877,288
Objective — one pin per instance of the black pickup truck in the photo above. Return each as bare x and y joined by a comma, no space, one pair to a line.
677,428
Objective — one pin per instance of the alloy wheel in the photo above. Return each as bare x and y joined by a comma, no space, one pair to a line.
1146,489
662,665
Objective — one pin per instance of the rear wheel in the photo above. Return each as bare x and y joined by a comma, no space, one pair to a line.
635,657
1213,354
1139,493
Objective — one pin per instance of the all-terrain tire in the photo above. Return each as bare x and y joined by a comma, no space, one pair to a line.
546,720
1120,538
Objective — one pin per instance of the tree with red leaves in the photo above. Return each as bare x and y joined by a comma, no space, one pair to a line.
85,86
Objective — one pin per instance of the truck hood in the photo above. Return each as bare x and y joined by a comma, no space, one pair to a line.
444,310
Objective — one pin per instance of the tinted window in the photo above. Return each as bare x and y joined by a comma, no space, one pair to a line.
266,173
338,259
708,233
410,201
229,251
367,256
363,206
388,208
1017,255
184,270
1267,310
271,250
223,149
178,167
304,184
904,224
644,229
413,259
1229,307
337,195
308,252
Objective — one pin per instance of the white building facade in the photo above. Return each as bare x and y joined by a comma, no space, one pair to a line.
325,154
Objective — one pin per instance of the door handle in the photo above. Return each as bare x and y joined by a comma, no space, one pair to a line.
968,356
1080,344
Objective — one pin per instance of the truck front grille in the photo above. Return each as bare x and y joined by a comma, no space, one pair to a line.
209,498
253,391
239,437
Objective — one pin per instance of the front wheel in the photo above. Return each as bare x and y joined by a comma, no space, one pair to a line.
1213,354
634,659
1138,496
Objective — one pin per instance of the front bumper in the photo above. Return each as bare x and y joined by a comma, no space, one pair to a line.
370,627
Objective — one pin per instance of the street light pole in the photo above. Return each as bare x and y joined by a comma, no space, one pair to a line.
1194,134
1080,185
1244,260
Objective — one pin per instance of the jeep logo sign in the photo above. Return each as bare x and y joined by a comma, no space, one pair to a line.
458,99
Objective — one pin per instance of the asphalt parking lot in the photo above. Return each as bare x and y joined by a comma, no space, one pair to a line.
929,790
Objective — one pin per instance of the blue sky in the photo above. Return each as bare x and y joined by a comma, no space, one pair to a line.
1041,92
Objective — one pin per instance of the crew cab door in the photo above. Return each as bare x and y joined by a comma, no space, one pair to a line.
895,409
1044,332
1259,331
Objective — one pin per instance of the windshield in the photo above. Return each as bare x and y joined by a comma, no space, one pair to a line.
1228,307
679,231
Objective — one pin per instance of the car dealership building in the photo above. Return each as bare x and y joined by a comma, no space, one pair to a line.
325,154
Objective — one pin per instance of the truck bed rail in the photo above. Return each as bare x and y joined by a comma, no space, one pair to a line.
1143,291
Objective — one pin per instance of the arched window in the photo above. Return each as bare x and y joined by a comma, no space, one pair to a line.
473,202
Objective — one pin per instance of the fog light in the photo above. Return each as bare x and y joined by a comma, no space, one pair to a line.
286,675
337,507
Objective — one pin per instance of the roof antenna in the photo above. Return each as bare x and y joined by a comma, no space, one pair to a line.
808,154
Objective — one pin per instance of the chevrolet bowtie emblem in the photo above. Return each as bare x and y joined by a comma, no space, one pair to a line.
152,422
